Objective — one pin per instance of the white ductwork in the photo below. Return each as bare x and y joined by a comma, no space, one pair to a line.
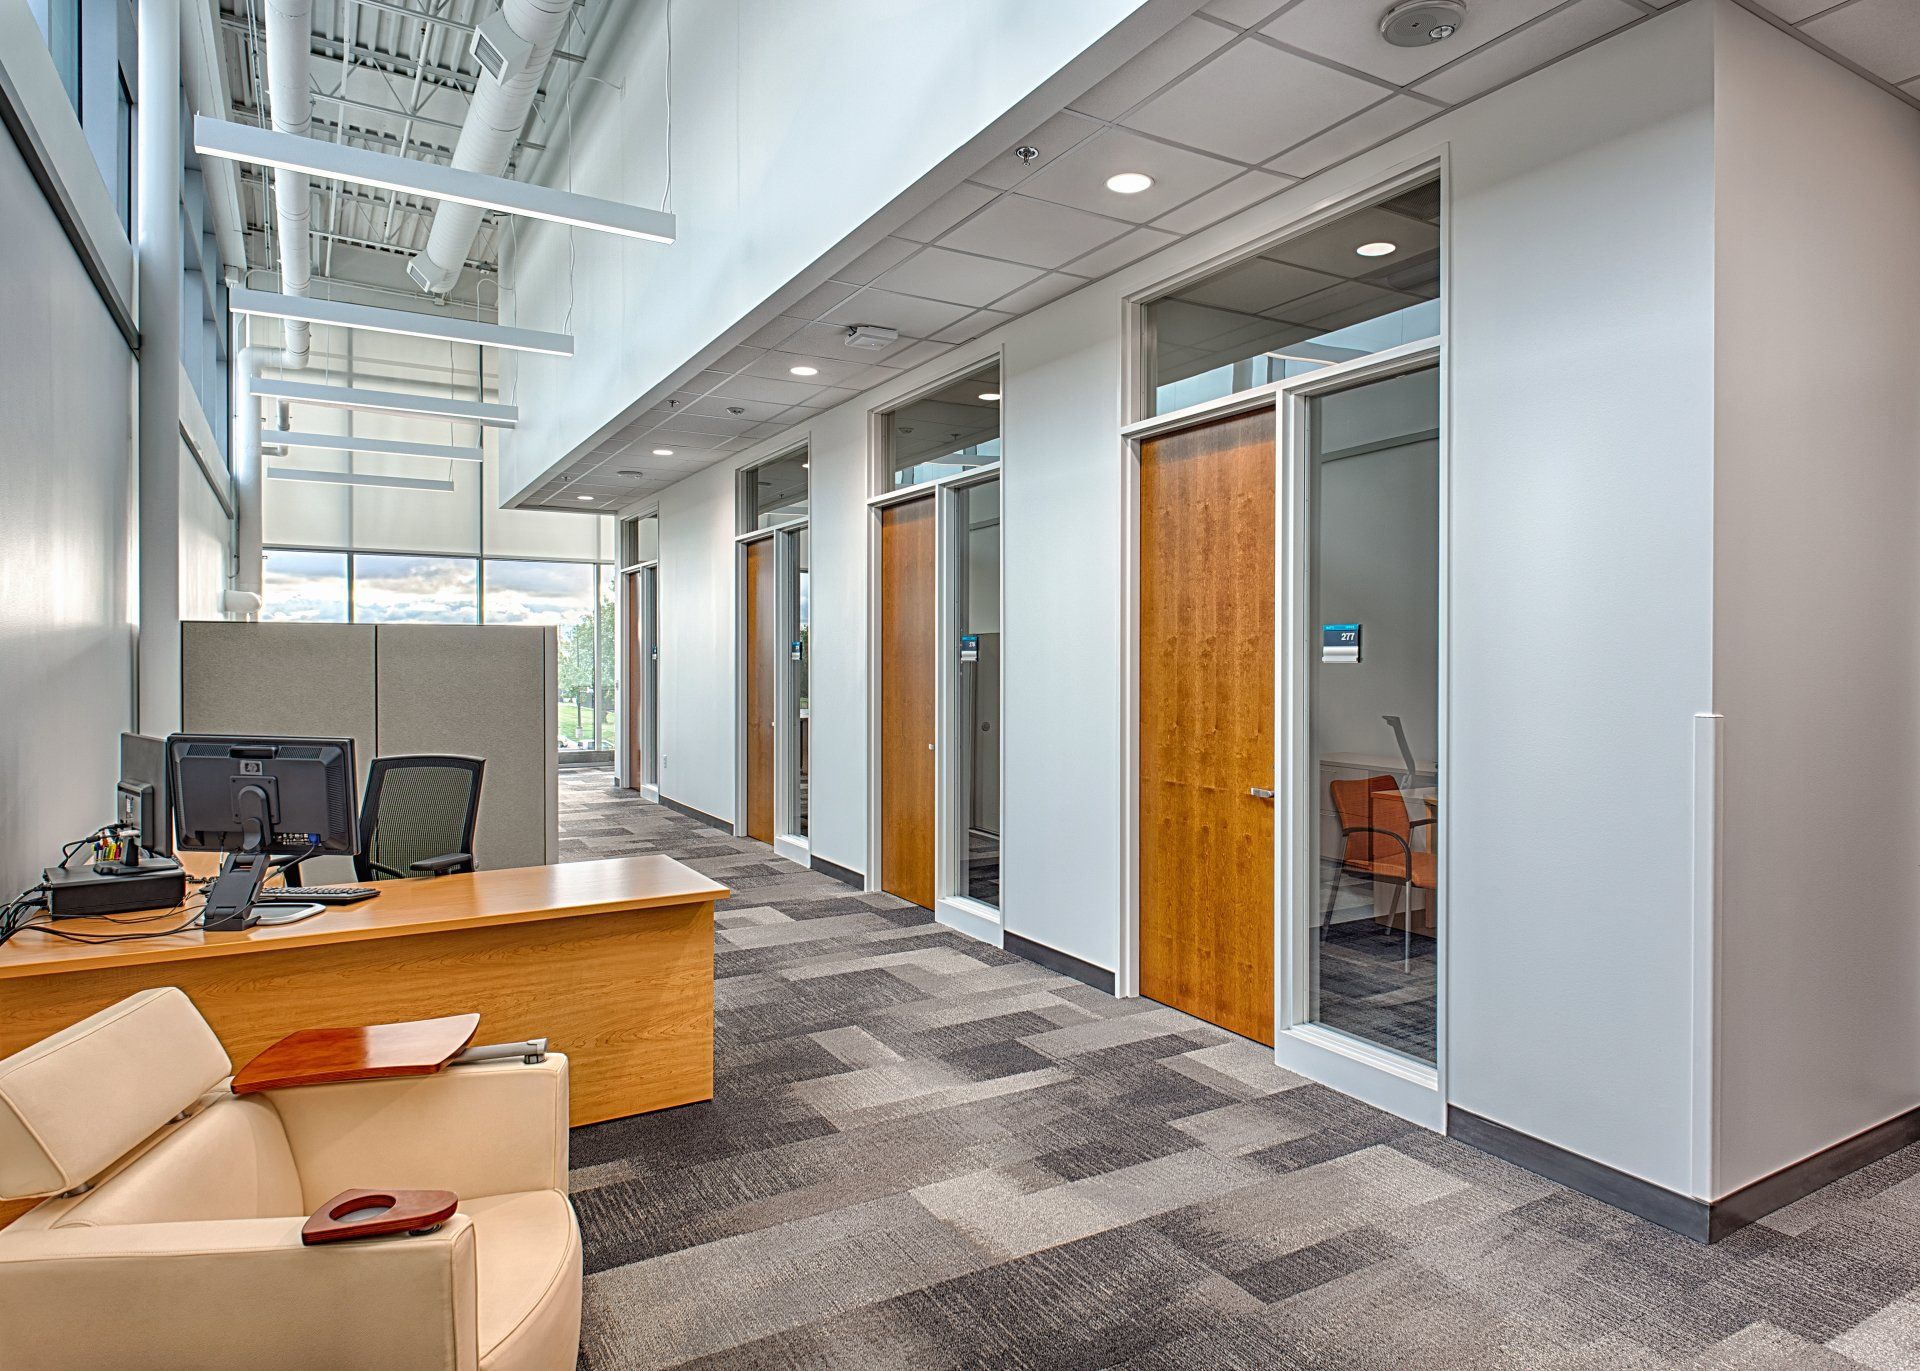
512,72
289,34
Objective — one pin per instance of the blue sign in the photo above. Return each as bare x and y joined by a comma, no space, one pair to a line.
1340,643
969,647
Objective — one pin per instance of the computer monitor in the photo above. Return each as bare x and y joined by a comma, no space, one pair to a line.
255,799
141,796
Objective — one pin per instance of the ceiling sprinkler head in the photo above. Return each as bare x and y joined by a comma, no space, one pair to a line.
1419,23
736,409
1026,152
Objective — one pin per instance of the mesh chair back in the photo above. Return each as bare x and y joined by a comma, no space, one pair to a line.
416,808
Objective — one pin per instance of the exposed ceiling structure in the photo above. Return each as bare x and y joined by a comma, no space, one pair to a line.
392,76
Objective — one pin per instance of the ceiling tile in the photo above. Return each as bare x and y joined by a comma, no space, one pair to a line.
945,212
1249,188
1065,130
1331,247
1793,11
836,395
1047,289
958,277
888,252
1395,114
913,354
777,330
756,410
1079,179
1349,34
1123,252
1529,49
833,369
1036,232
822,298
973,326
1243,14
1190,41
745,387
1274,98
1881,35
913,316
735,358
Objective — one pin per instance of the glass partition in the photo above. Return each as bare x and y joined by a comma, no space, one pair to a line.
977,765
774,493
1367,281
1373,709
952,429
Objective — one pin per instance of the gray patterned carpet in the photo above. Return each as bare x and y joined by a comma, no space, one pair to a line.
926,1153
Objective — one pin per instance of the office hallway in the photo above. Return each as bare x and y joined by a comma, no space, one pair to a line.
924,1152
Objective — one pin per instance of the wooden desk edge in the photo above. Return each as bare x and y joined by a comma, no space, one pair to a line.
159,951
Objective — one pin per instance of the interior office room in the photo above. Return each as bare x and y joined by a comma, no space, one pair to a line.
1125,683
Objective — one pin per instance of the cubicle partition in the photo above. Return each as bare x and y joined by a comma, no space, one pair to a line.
488,691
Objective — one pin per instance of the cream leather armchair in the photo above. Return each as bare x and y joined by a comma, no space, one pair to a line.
171,1238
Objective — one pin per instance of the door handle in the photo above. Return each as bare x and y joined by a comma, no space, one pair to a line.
1260,793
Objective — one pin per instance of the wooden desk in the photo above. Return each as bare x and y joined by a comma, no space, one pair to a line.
612,961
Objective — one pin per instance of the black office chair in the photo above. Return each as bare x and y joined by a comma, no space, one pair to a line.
418,816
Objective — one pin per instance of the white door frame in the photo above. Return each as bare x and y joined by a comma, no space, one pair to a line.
951,903
788,841
647,680
1381,1078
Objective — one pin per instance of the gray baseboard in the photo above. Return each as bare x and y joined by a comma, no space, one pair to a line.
1054,959
698,815
846,875
1703,1221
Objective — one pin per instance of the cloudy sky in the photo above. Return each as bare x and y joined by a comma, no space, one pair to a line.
312,587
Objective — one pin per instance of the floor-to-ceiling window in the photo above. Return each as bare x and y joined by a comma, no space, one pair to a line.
352,549
975,816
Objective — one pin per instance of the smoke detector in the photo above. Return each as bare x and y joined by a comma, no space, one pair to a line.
1421,23
501,53
871,337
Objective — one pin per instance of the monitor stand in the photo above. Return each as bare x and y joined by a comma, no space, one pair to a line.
229,905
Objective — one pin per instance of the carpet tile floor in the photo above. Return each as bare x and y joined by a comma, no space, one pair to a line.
924,1152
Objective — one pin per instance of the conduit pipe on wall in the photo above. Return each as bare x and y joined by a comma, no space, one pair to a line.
289,36
487,138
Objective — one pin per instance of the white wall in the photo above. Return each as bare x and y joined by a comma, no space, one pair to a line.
66,571
1817,602
801,133
1580,374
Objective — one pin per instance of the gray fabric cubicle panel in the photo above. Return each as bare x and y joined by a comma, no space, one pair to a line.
488,691
303,680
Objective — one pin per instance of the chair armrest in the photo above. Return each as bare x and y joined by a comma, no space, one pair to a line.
236,1295
493,1128
322,1056
444,864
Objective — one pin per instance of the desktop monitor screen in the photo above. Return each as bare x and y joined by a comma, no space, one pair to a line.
293,796
142,792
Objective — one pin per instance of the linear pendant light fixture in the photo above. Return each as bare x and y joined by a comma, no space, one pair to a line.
388,401
358,478
410,175
389,447
410,323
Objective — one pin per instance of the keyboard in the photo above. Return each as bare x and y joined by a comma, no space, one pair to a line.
320,894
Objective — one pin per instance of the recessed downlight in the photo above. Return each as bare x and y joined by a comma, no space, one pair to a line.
1129,182
588,498
1377,249
989,395
663,452
803,371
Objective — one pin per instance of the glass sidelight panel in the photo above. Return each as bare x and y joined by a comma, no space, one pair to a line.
1373,709
797,647
977,727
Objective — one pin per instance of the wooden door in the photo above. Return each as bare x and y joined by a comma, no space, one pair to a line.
632,689
906,700
762,649
1206,721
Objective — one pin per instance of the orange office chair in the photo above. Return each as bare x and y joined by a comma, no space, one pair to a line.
1377,834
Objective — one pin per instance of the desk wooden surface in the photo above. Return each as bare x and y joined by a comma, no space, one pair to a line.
611,961
401,909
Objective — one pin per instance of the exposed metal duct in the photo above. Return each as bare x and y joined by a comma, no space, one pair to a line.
289,37
513,48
